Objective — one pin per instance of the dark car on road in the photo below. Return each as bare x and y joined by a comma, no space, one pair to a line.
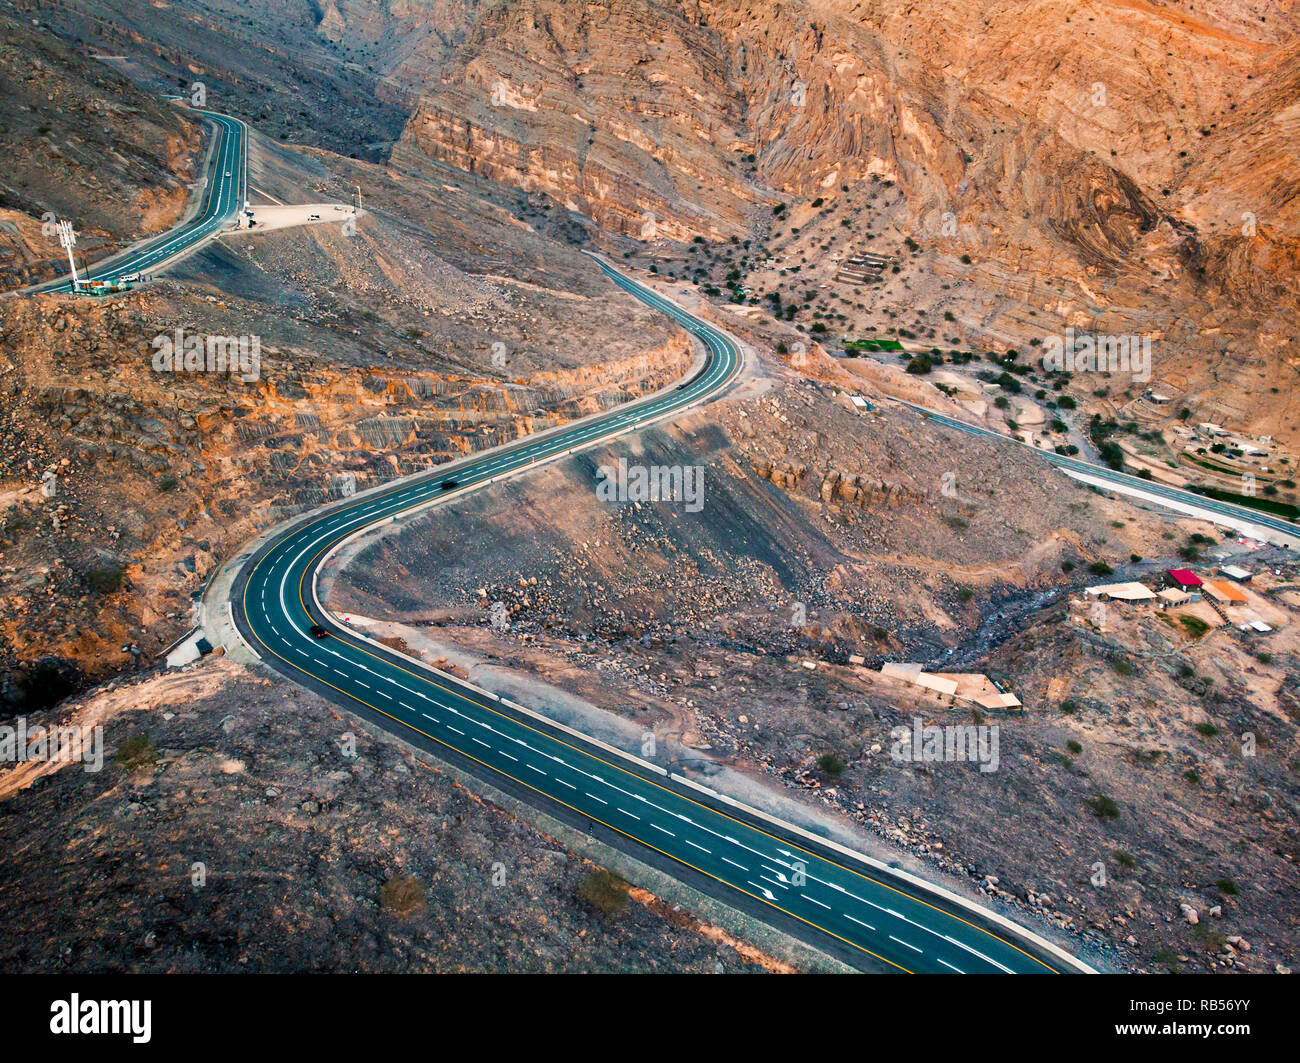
318,632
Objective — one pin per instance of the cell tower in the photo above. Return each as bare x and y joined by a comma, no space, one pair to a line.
68,239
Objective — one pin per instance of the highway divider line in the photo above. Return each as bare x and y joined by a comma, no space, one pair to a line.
438,500
531,713
1247,521
1015,929
433,501
934,890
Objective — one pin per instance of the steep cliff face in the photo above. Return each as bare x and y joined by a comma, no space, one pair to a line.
1116,164
624,112
827,90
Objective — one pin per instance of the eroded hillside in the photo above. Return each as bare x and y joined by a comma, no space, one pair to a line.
81,142
437,325
748,636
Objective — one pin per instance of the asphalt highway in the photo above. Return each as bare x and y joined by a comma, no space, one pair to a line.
867,914
1123,479
222,202
863,913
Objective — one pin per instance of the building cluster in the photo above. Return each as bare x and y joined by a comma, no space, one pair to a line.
1225,594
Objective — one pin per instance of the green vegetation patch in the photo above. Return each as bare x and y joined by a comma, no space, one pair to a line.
872,345
138,751
604,891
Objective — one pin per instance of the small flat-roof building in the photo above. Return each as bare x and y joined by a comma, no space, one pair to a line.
979,688
911,673
1173,596
1183,579
1223,591
1236,572
964,686
1124,592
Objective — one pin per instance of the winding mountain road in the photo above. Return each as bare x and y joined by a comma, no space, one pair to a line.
873,917
222,202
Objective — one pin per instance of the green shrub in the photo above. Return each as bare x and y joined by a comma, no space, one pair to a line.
137,752
831,764
1104,807
604,891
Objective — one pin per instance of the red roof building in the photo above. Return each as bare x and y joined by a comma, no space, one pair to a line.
1183,578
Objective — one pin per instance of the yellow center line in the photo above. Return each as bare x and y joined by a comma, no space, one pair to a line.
579,811
466,697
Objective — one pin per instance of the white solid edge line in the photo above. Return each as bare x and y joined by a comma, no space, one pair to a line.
230,613
433,501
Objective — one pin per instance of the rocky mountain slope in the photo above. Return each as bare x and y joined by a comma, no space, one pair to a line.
1123,166
80,142
1110,165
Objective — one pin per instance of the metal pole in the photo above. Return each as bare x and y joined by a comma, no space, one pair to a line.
68,239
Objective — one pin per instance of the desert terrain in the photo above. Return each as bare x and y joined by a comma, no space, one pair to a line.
884,202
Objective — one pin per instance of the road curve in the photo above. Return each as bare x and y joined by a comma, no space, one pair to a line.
869,915
222,202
